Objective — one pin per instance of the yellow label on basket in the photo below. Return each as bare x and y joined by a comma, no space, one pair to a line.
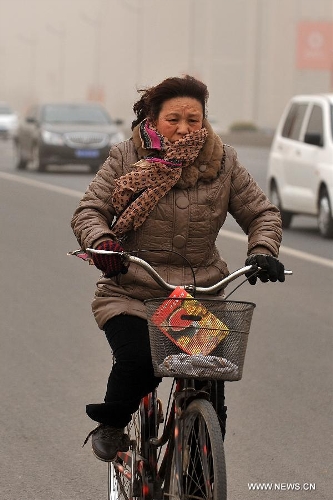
188,324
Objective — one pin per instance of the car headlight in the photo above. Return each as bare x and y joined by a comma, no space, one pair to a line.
116,138
52,138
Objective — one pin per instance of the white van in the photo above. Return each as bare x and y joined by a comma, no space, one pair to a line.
300,169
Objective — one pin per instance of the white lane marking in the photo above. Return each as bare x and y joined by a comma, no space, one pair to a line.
229,234
42,185
285,250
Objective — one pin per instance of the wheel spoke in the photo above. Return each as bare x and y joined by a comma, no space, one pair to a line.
199,472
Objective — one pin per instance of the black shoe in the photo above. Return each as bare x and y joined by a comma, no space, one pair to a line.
107,441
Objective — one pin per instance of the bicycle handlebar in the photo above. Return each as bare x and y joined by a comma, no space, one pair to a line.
168,286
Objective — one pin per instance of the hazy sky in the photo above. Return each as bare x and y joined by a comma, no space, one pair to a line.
245,50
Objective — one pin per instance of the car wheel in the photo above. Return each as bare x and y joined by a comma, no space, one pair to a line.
286,217
325,218
37,163
20,162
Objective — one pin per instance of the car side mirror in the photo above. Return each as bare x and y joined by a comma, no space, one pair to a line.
314,139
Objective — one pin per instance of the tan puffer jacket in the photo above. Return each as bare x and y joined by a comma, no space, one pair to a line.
187,220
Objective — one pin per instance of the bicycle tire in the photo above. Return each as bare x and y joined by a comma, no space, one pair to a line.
202,470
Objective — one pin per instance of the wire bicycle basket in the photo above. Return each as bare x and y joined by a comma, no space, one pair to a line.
198,338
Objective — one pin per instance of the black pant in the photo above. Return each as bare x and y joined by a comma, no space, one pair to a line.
132,375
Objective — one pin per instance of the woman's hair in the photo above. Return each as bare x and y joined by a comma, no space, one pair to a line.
153,98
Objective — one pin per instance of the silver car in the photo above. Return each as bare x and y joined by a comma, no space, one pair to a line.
8,121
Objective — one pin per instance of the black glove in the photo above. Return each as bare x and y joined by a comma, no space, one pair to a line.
111,265
271,268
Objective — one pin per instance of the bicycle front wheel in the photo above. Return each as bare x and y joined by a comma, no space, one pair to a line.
199,471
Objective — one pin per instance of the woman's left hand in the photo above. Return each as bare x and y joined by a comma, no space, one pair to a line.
271,269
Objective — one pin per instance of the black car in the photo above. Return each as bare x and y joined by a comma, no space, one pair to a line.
66,134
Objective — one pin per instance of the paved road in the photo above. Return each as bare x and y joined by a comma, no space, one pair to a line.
53,360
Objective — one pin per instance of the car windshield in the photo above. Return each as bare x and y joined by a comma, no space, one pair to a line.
5,110
75,114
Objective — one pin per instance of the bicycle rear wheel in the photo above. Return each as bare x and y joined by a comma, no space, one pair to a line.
119,487
122,473
131,475
202,470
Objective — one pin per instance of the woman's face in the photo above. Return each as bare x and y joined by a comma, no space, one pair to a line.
178,117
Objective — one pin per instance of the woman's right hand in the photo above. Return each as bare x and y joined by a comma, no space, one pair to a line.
110,265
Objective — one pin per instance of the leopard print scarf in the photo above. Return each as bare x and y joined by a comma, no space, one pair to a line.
138,192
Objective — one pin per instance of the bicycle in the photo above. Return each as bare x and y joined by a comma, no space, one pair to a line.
186,459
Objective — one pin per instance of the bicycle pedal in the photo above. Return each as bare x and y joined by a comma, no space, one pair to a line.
160,415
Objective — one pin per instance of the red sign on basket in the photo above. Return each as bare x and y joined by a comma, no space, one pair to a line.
188,324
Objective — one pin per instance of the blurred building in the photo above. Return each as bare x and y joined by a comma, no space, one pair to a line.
253,54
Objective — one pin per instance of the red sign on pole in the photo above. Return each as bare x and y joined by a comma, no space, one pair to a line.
314,45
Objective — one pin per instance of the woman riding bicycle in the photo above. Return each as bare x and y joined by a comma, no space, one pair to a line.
167,190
